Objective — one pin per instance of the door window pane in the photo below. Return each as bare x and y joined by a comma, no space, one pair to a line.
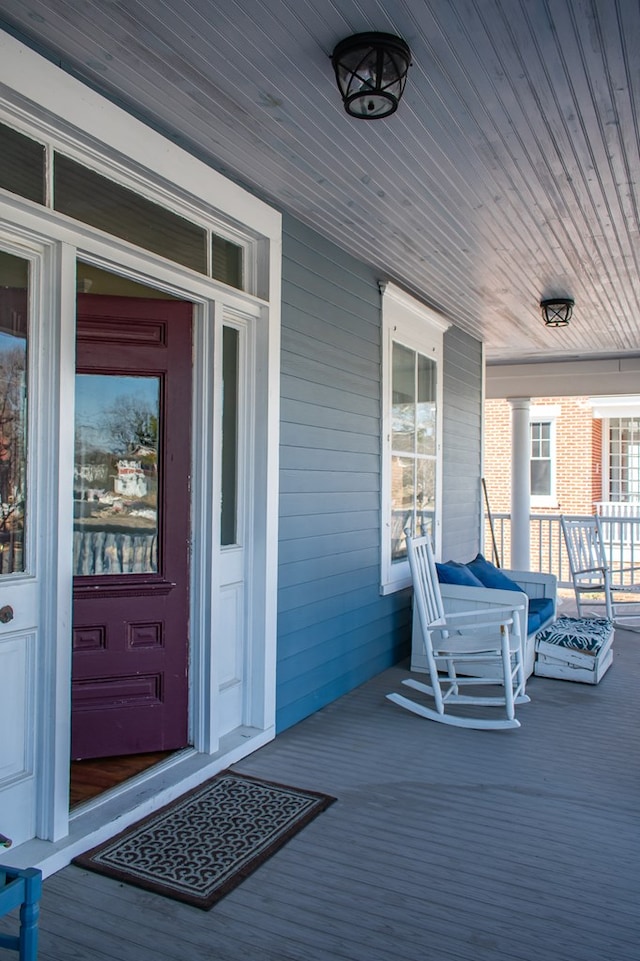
14,307
230,340
116,474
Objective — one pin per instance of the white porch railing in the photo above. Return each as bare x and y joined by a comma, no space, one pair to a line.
548,551
617,509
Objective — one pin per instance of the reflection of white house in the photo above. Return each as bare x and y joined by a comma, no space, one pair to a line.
90,472
130,480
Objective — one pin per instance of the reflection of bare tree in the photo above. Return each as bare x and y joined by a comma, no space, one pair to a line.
130,423
12,436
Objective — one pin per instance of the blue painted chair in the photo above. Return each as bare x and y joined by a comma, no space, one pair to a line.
21,889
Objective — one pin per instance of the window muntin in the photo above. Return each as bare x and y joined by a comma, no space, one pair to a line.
14,323
412,430
542,454
624,459
541,460
413,446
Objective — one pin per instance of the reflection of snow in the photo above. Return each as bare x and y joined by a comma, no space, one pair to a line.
148,514
130,481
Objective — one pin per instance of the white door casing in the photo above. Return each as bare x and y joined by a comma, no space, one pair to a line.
230,686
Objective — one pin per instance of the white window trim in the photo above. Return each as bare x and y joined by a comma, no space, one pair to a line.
547,414
405,320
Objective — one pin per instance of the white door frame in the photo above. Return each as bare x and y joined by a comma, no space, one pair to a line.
63,112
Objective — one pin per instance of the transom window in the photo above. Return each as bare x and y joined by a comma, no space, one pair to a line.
86,195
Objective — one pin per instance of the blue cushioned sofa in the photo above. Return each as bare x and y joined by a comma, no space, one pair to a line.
537,592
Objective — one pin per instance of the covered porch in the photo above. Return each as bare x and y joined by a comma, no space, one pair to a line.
444,843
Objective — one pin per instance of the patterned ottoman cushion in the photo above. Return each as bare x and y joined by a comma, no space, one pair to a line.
586,634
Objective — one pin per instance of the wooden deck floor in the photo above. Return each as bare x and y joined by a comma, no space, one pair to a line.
444,845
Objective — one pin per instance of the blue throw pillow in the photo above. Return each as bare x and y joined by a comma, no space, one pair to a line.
491,576
453,572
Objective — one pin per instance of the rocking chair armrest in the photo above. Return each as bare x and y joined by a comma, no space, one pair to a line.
483,617
592,570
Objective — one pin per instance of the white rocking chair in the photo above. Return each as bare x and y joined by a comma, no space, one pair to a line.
595,584
495,636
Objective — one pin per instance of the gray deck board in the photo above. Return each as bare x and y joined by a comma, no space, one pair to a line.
444,843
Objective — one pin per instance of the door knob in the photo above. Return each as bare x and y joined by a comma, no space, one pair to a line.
6,614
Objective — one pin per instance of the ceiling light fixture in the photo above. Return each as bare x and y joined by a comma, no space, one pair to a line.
557,311
371,71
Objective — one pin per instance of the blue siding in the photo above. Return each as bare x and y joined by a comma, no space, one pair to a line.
335,631
462,446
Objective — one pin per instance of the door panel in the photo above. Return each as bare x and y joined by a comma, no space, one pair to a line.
131,526
19,598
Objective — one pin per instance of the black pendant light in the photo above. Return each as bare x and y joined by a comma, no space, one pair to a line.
371,70
557,311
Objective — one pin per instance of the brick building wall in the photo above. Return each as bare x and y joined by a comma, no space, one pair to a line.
578,465
578,458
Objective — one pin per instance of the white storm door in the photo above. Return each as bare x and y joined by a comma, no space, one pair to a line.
20,637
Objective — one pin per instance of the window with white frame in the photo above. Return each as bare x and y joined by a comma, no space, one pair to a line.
624,459
412,430
620,416
543,466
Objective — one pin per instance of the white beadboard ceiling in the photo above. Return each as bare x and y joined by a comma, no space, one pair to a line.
509,173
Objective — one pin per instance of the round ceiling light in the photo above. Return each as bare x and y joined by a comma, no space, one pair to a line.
371,71
557,311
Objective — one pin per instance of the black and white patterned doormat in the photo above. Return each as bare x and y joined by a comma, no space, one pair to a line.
202,845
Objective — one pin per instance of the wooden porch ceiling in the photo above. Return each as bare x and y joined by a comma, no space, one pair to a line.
443,843
509,174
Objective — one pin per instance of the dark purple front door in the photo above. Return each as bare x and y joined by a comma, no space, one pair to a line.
131,526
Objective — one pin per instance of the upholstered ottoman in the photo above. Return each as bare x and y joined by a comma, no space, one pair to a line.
575,649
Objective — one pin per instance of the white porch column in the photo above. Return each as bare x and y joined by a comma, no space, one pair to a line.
520,483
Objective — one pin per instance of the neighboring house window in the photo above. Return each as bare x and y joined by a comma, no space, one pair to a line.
624,459
412,430
543,456
620,416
